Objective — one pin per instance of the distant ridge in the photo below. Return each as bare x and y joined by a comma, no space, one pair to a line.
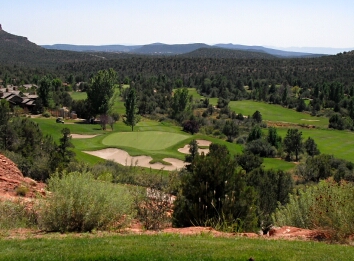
275,52
19,50
176,49
222,53
92,48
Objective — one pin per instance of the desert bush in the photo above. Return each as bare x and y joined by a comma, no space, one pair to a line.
80,203
21,190
153,207
15,214
327,206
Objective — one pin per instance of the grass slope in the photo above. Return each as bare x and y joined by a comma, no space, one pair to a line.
148,140
277,113
333,142
156,139
169,247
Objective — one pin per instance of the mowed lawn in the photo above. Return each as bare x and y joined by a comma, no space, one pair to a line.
333,142
118,105
168,247
146,140
277,113
78,95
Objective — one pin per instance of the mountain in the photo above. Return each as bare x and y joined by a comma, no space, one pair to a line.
222,53
166,49
92,48
317,50
20,51
173,49
275,52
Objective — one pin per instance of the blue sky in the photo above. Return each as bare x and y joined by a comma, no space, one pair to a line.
276,23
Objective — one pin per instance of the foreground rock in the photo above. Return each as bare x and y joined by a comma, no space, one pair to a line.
13,184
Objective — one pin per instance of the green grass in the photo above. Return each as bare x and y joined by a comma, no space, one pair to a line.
162,139
169,247
333,142
118,105
148,140
78,95
277,113
277,164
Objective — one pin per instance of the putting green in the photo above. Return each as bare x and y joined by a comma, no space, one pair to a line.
147,140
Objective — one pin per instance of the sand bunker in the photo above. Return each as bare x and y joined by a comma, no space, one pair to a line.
185,149
80,136
309,120
122,157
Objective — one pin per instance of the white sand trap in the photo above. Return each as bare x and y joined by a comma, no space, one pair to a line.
203,142
81,136
309,120
122,157
185,149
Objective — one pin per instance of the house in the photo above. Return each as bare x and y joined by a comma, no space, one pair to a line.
17,98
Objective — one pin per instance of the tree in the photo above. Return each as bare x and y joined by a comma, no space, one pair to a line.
5,115
100,91
257,116
311,147
64,146
273,187
293,143
193,151
212,190
44,91
231,130
191,126
249,161
273,138
255,134
179,102
131,109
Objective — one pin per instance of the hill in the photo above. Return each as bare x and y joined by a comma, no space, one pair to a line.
92,48
19,50
173,49
165,49
221,53
275,52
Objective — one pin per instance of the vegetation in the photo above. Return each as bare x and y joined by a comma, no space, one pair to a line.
80,203
168,247
213,192
256,112
327,206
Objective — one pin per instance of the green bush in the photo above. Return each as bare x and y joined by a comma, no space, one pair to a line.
80,203
327,206
15,214
21,190
46,114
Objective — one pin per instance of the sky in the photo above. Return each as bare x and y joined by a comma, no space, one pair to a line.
271,23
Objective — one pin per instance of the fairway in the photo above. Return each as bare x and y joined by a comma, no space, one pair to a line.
277,113
148,140
333,142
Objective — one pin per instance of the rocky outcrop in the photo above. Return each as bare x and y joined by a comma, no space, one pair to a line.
14,184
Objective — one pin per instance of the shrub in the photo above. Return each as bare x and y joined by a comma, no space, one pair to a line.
80,203
15,214
46,114
327,206
21,190
261,147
